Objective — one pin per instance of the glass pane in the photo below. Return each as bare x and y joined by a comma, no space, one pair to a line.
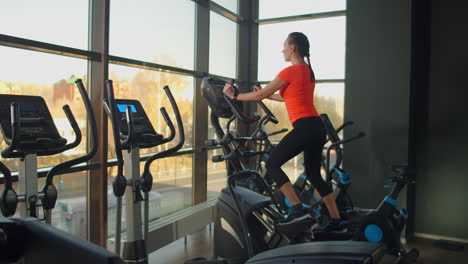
172,185
217,175
327,47
294,167
112,203
52,21
329,99
70,211
171,192
23,73
228,4
153,30
223,46
147,87
281,8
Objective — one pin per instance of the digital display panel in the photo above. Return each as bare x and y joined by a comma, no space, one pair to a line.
122,108
27,107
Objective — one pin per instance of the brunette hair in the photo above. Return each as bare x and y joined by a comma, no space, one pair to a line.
302,44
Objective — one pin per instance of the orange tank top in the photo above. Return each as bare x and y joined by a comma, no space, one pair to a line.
298,92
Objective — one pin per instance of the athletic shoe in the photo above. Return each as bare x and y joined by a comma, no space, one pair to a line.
334,225
296,214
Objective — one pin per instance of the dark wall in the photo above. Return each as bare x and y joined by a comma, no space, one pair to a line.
378,49
442,159
406,70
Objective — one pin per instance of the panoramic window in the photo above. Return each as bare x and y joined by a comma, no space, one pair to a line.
327,38
154,31
281,8
147,87
171,191
51,21
223,46
172,177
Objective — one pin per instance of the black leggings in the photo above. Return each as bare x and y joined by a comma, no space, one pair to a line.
308,135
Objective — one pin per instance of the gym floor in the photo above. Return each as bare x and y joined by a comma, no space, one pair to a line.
200,245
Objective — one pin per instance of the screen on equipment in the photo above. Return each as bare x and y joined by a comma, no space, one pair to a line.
123,107
27,107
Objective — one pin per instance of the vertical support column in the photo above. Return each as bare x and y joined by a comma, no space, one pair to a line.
134,249
200,107
247,62
419,96
132,207
97,74
27,175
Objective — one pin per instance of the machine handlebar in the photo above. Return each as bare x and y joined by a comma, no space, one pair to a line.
238,112
271,117
120,183
48,189
146,177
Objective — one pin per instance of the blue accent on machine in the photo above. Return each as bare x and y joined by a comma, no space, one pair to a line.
287,202
345,178
317,211
404,213
373,233
389,200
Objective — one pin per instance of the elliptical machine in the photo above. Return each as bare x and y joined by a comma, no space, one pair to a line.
381,226
244,222
29,131
133,131
259,145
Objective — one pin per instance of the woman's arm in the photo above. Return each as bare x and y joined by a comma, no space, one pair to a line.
276,97
266,92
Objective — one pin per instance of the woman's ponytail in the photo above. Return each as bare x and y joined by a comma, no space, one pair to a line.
303,46
312,74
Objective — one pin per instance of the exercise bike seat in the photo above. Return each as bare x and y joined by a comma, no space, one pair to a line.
323,252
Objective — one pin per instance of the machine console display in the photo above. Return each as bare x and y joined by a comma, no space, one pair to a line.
123,108
212,90
140,119
35,119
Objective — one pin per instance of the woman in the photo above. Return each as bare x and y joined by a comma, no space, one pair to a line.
296,85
